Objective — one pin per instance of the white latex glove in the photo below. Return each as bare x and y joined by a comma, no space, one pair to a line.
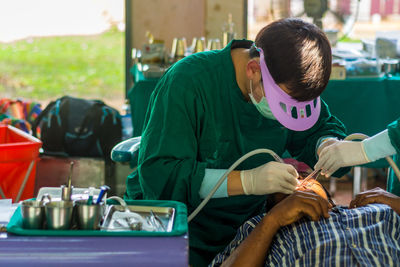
269,178
326,142
340,154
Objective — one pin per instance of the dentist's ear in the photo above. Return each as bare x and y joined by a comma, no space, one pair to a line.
253,70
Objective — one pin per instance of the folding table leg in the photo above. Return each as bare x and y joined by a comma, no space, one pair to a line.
357,180
22,187
360,180
332,186
2,193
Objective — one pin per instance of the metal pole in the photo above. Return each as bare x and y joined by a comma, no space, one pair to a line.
28,172
128,45
357,180
245,18
2,193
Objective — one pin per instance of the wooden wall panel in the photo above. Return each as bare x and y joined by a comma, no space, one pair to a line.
167,19
217,15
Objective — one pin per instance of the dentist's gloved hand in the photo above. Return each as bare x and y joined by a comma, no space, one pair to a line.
340,154
269,178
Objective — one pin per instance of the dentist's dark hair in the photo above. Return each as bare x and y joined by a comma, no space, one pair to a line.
298,54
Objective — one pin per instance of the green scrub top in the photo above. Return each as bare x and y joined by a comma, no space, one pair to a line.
198,118
393,184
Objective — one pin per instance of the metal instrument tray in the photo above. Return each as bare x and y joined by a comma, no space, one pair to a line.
173,214
166,216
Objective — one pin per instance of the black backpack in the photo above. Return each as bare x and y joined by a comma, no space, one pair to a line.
78,127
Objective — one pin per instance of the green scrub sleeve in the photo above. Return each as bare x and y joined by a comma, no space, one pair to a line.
302,145
393,184
394,134
168,166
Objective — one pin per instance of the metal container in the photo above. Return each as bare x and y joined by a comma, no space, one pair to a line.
66,192
198,44
88,216
161,218
332,35
178,48
214,44
59,214
390,66
33,213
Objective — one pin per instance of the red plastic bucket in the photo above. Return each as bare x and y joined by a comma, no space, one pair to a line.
19,153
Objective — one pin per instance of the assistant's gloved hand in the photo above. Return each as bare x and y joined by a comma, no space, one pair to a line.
269,178
326,142
340,154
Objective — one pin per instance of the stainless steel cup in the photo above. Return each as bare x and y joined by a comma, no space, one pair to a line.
59,214
32,214
390,66
214,44
198,44
88,215
178,48
66,192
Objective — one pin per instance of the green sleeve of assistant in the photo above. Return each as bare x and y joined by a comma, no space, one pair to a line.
168,166
301,145
394,134
393,184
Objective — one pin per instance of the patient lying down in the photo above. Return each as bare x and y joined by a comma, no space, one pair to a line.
307,229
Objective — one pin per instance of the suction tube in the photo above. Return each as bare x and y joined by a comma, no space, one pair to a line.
231,168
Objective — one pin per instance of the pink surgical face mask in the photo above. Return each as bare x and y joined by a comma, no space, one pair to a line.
293,114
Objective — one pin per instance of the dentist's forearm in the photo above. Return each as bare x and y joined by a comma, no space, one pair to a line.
231,186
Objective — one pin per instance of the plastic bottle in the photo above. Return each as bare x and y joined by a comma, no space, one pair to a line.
126,120
229,32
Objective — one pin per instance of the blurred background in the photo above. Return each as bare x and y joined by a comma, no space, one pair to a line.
54,48
50,48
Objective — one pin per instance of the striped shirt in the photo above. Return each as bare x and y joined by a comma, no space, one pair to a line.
365,236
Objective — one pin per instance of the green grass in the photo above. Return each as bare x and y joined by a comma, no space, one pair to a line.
50,67
350,40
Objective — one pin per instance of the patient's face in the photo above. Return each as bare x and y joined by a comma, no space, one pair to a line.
305,185
313,185
310,184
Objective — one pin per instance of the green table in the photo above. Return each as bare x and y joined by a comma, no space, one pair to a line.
364,105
